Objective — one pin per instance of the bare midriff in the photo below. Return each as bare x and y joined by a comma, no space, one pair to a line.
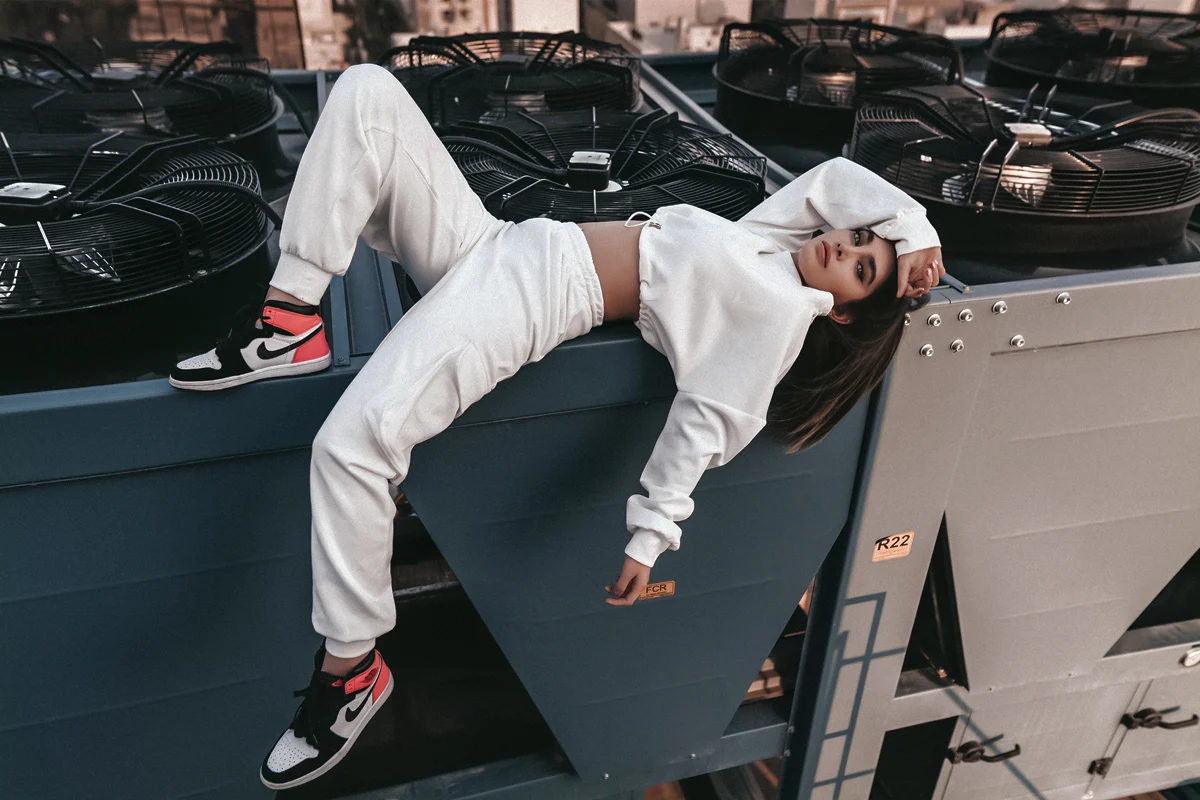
615,253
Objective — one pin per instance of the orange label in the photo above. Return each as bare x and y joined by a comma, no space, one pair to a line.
653,590
897,546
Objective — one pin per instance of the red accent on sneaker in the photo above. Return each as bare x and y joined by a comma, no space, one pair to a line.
338,682
364,679
314,348
290,321
381,684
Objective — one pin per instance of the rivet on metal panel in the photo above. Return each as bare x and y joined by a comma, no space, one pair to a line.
791,728
966,315
341,360
606,776
927,350
1017,341
1191,658
957,345
907,320
934,320
787,753
693,755
1063,299
999,307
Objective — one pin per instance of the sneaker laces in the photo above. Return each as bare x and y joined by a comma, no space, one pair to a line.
318,710
248,325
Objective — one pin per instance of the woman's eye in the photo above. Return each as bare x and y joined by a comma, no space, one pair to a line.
859,270
856,237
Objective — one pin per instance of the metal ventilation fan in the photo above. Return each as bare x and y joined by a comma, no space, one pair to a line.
1051,173
119,254
150,88
1149,57
587,166
487,75
91,221
798,81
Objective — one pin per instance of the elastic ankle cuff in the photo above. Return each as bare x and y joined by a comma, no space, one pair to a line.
349,649
301,279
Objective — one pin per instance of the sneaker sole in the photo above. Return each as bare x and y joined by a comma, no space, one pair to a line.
276,371
340,754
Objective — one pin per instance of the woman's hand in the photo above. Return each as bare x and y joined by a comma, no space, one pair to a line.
919,271
628,588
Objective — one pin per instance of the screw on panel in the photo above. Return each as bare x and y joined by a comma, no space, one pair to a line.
934,320
787,753
1063,299
927,350
606,776
1000,307
1191,658
957,345
907,320
693,755
966,315
1017,341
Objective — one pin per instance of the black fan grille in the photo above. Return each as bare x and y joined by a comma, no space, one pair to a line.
130,249
1121,48
166,88
488,75
824,62
949,145
656,160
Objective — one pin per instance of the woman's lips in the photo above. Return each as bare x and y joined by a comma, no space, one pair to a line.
825,255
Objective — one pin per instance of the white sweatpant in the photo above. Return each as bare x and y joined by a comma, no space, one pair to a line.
495,296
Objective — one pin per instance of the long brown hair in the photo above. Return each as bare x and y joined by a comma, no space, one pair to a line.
838,364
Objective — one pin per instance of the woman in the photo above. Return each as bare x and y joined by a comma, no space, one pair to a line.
728,303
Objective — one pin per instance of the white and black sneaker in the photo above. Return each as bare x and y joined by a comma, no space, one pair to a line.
334,712
285,339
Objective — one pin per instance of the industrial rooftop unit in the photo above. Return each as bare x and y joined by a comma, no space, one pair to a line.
1019,623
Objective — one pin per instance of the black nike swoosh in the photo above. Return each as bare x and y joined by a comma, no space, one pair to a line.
264,353
351,713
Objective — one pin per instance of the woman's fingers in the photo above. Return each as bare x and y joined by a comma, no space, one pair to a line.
629,585
631,594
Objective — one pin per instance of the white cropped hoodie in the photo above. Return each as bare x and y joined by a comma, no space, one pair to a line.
723,302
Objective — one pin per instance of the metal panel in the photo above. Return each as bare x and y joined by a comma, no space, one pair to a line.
1156,750
531,551
1127,345
1079,453
165,605
1059,737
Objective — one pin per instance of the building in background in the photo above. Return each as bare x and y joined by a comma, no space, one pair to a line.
330,34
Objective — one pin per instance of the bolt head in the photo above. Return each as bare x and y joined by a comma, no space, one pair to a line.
1063,299
787,753
934,320
966,315
926,350
1000,307
1017,341
907,319
1191,658
957,345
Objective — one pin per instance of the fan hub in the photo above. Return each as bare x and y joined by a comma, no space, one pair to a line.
588,170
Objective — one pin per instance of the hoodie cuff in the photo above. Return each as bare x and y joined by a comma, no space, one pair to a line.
911,231
645,547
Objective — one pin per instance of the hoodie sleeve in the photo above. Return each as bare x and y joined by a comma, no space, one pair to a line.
700,433
841,194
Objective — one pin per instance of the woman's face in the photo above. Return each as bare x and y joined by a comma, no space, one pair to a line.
849,265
